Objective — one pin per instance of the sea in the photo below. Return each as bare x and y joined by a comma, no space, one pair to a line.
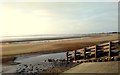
42,38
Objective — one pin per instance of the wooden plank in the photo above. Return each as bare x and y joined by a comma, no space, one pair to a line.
115,41
104,44
90,52
103,47
80,49
74,52
91,47
84,53
93,52
113,48
109,55
107,50
96,48
67,55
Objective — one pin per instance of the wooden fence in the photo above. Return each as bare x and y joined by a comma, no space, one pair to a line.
107,51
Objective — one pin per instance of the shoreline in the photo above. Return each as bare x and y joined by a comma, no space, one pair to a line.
54,38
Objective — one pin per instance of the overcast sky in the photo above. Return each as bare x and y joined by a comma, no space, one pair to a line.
31,18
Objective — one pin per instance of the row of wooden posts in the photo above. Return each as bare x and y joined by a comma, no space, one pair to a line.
95,51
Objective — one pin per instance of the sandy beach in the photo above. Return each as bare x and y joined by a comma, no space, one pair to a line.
9,50
13,49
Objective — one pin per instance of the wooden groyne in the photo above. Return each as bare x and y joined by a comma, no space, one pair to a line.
108,51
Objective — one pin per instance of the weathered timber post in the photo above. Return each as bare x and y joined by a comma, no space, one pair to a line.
74,55
85,53
96,48
67,53
109,54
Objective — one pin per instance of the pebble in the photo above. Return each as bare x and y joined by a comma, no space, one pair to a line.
41,67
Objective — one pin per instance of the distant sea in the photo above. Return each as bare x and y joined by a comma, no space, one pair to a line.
14,38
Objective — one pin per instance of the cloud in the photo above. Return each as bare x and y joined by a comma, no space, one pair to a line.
59,18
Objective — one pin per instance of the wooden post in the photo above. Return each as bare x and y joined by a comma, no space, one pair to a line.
85,53
96,47
67,53
74,55
109,55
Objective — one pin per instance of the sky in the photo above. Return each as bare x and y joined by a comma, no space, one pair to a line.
35,18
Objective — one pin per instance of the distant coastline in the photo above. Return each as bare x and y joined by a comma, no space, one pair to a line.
14,39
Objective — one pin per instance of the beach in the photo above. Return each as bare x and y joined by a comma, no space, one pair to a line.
12,49
53,37
33,52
